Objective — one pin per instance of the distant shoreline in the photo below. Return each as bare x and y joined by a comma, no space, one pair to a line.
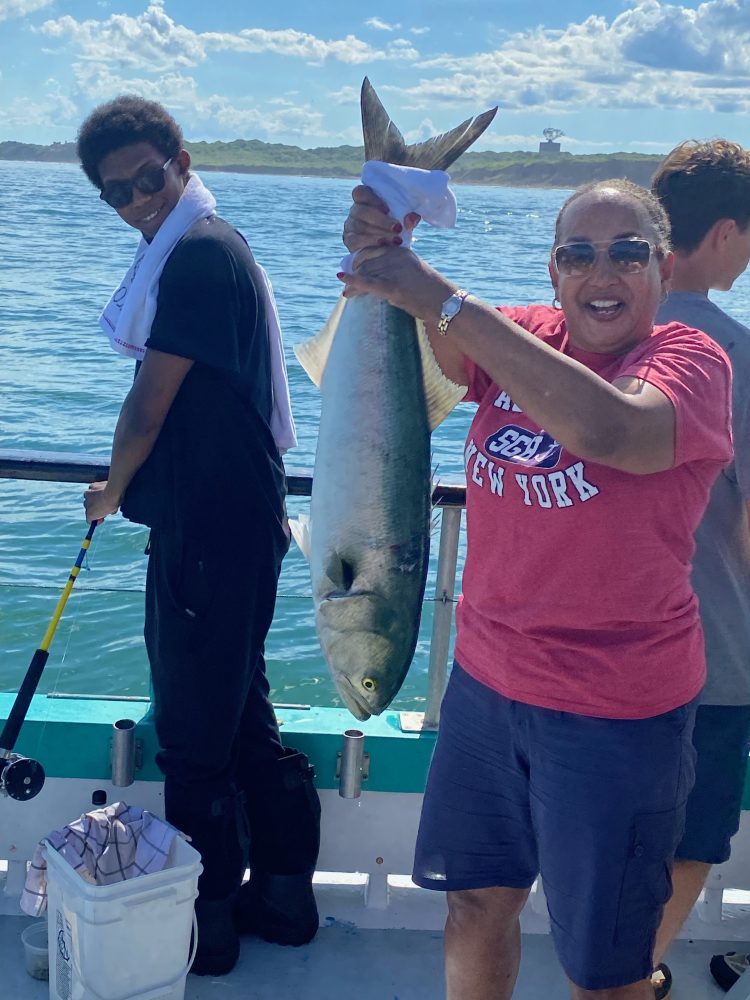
250,156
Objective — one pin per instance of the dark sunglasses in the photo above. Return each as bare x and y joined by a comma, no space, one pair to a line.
118,194
629,256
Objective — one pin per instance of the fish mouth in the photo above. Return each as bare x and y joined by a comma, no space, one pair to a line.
349,593
356,705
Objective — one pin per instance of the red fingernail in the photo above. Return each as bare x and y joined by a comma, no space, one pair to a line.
341,275
396,228
397,241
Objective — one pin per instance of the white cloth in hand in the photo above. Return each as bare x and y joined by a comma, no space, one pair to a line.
409,189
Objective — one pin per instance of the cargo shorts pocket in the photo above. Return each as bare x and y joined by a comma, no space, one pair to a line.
647,875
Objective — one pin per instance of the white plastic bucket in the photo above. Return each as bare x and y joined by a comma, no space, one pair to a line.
127,941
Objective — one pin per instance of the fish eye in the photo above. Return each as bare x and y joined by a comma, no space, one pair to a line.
369,684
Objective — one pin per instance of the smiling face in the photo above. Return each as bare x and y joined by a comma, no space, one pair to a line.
609,311
146,212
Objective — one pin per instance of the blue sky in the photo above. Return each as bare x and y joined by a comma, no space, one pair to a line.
639,75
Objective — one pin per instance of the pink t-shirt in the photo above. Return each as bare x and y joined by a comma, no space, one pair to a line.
576,588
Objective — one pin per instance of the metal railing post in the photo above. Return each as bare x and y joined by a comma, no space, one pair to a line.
445,588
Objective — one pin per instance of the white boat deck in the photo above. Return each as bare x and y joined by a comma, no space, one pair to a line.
346,962
380,936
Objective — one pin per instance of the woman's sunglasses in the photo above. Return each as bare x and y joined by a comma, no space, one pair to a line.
629,256
119,194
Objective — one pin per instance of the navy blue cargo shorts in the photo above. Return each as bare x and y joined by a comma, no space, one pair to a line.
596,805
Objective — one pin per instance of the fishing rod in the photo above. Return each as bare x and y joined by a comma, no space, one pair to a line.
21,777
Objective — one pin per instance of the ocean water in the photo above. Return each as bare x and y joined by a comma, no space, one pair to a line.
61,387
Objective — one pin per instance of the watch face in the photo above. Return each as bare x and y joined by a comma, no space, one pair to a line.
451,307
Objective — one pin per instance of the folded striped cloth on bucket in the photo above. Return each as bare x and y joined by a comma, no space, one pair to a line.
106,845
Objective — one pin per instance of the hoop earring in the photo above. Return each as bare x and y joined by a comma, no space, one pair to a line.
556,303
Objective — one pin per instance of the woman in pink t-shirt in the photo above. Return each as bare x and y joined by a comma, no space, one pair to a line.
565,735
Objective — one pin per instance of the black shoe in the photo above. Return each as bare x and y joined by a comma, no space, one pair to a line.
727,969
218,942
661,980
278,908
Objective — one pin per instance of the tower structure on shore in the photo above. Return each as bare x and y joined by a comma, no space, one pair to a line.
550,147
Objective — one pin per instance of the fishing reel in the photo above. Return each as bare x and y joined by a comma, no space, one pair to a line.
21,778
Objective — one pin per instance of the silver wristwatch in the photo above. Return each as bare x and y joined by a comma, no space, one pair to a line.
449,309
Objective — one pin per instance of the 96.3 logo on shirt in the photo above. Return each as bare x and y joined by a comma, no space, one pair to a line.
538,482
512,443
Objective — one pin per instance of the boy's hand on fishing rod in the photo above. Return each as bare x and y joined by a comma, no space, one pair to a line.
98,502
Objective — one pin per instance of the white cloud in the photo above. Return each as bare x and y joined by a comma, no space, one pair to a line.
155,41
653,55
380,25
223,118
151,41
97,82
53,111
20,8
212,117
300,45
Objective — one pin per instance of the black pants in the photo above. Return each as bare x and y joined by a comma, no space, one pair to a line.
209,605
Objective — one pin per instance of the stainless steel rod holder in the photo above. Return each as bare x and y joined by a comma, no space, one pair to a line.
352,764
445,587
123,752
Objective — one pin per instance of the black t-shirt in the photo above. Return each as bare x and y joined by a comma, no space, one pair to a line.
215,456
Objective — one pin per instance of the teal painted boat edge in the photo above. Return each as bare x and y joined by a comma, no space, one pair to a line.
70,737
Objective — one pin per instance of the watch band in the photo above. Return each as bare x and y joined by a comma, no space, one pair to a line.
450,309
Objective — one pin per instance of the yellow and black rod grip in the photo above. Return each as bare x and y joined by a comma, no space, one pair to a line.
26,692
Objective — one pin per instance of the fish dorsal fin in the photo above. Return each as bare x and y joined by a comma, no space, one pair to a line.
383,141
313,353
441,394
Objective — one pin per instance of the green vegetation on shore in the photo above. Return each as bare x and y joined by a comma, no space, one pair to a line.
519,169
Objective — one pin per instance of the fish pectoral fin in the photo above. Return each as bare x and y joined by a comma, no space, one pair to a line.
441,394
300,529
341,574
313,353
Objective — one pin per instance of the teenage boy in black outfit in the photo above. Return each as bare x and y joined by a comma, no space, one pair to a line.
194,457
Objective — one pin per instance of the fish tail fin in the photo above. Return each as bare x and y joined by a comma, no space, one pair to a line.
441,394
300,529
384,142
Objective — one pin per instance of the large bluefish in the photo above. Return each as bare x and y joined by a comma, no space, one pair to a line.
382,393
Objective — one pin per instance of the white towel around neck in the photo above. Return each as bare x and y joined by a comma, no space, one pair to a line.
127,317
409,189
